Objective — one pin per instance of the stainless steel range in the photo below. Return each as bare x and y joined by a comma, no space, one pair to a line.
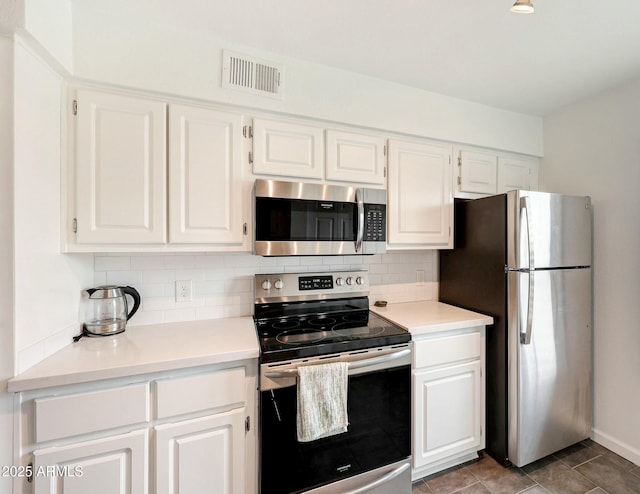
310,319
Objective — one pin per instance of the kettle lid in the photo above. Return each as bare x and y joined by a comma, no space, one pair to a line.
107,291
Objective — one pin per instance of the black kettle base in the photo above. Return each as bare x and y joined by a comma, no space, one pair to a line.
94,335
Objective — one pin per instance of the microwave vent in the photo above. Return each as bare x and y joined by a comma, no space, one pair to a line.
252,75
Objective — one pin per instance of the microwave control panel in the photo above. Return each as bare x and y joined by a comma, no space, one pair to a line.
375,219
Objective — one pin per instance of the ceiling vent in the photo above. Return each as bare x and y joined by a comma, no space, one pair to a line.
252,75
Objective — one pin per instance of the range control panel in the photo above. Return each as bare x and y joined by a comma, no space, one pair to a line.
311,285
315,282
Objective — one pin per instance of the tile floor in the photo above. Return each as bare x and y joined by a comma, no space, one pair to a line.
586,467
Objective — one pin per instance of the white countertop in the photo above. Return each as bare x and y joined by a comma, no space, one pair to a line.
430,316
143,349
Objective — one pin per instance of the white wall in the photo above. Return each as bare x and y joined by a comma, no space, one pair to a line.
49,22
223,283
6,255
593,148
11,15
136,53
48,284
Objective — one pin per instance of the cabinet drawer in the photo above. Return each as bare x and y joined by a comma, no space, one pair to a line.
82,413
448,349
201,392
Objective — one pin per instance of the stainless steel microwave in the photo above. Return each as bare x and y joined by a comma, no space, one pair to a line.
303,219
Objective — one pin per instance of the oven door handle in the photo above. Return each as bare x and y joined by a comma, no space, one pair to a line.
358,364
382,480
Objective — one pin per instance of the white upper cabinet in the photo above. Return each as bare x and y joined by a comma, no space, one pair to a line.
517,173
477,171
355,157
287,149
419,195
483,172
205,176
118,195
120,172
299,150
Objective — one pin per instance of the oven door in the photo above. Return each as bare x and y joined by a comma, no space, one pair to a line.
372,455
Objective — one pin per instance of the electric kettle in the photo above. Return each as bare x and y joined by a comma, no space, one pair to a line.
107,310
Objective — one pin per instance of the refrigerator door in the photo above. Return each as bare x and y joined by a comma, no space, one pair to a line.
550,394
547,230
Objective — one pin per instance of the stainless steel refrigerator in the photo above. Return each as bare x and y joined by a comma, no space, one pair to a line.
525,258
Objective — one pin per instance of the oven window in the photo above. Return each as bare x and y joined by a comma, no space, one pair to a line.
301,220
379,433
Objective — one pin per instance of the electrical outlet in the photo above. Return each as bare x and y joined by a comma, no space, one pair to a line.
420,277
183,291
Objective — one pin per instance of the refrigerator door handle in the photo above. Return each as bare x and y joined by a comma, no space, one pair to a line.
525,338
525,207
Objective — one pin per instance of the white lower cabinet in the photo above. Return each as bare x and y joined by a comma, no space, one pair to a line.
201,455
184,431
111,465
448,399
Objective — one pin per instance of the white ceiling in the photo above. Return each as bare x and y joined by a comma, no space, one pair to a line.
471,49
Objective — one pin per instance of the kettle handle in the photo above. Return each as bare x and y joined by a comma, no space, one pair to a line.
129,290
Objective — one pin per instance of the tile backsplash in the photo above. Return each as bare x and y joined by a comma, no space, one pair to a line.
222,284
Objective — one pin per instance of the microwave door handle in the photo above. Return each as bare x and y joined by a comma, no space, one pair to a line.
360,226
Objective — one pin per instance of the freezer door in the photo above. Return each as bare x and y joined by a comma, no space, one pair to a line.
550,363
547,230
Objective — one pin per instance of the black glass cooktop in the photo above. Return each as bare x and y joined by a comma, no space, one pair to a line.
306,329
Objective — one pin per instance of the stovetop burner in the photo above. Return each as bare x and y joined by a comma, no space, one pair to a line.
296,321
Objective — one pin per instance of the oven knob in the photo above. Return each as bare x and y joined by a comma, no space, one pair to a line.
349,280
266,285
339,281
359,280
278,284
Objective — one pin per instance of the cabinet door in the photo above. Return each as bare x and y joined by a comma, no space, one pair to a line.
517,173
420,198
448,411
201,455
355,157
114,465
287,149
477,172
205,176
120,169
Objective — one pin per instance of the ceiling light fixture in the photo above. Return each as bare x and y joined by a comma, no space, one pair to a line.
522,7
